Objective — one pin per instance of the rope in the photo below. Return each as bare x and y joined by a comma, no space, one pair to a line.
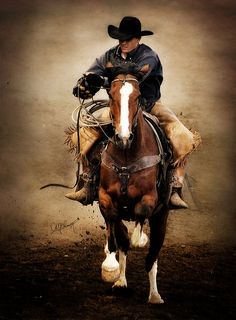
85,110
86,114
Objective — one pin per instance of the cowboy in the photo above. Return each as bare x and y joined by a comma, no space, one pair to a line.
146,62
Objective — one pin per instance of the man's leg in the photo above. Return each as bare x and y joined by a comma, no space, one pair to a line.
87,138
177,185
183,142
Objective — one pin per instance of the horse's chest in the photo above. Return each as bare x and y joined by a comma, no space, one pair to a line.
124,178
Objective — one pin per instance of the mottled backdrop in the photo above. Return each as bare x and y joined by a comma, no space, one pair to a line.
47,45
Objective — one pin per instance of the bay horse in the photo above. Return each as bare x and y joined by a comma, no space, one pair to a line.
128,190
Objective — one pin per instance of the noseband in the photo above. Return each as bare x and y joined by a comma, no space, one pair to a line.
125,80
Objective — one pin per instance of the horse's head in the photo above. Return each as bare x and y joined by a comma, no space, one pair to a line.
124,108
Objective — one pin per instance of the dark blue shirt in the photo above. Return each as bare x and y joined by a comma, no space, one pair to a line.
143,55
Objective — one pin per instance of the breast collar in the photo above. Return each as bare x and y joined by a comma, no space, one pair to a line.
143,163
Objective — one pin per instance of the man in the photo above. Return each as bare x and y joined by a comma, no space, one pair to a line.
145,62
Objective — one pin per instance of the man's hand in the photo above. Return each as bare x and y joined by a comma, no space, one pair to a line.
87,86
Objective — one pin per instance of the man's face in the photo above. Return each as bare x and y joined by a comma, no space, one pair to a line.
129,45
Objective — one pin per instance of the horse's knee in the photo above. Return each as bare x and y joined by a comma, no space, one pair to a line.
106,207
145,207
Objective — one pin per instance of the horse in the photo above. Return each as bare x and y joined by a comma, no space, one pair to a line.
128,188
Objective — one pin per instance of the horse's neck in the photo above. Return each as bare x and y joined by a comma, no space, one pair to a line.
140,137
144,139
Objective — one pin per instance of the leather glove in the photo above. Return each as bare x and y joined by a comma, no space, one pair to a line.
87,86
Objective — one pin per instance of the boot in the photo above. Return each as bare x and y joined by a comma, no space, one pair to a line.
83,195
175,199
177,183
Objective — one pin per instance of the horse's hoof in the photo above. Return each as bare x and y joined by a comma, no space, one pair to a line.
177,202
110,268
120,283
155,298
110,275
139,240
143,240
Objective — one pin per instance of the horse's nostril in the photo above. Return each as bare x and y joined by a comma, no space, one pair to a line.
131,136
117,137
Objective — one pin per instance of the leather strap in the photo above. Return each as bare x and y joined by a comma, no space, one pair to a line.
140,164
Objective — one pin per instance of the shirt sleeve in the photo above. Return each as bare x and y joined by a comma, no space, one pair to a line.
155,68
99,65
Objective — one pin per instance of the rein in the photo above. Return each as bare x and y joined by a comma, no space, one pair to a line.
85,111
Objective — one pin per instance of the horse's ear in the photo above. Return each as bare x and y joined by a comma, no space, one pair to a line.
145,69
109,65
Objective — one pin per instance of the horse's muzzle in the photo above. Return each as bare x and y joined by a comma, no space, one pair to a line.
124,143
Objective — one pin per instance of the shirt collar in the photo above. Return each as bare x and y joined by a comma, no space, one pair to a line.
129,54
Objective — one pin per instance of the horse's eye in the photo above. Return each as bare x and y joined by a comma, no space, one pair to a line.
109,94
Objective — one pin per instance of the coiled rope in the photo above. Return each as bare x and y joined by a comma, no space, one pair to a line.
85,113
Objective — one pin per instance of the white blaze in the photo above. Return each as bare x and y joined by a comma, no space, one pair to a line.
125,92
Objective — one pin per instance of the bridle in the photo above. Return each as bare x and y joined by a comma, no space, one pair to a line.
91,120
126,79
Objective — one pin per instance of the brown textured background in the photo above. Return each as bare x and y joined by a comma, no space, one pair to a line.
47,45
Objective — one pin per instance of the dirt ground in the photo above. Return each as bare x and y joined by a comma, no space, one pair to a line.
51,248
62,281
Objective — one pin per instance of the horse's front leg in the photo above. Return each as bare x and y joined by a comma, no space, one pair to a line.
154,296
142,210
110,266
157,234
122,237
139,238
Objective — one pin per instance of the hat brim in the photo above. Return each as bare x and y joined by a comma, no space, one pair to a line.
116,34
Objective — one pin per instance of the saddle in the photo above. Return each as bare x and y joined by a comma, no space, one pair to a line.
165,174
162,141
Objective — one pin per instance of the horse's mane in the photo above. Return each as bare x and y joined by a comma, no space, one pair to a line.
128,68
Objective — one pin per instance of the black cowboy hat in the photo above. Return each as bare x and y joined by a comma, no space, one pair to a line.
130,27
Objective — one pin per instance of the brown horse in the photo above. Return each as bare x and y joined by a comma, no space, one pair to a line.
128,189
